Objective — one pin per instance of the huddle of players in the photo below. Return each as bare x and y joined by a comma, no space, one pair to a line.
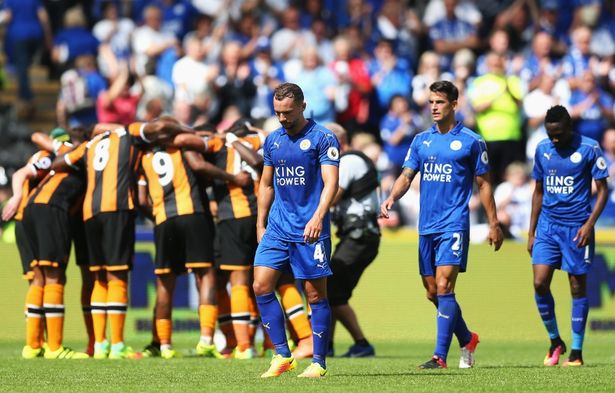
81,187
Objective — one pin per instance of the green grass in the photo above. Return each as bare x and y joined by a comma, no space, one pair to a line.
496,297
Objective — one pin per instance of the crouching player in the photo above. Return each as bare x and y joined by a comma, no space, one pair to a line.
561,233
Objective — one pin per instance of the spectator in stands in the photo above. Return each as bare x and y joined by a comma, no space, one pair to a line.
591,108
500,44
496,99
318,84
233,84
428,72
465,10
149,41
74,40
535,106
177,16
579,57
450,34
193,82
118,104
27,30
463,71
114,33
539,62
323,43
397,131
289,41
513,199
394,23
390,75
266,76
211,37
354,85
80,87
607,218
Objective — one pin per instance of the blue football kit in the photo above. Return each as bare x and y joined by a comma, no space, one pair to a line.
448,164
298,184
566,176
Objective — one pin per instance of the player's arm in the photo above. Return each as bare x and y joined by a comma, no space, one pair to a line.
485,193
188,142
536,208
145,207
251,157
400,187
161,130
330,178
264,201
42,141
19,178
584,233
206,169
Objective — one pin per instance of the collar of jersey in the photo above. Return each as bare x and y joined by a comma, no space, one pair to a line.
304,130
455,130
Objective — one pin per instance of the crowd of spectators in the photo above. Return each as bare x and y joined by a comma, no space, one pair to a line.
366,64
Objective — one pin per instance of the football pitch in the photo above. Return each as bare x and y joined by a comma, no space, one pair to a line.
496,298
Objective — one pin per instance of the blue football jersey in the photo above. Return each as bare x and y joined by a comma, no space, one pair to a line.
566,177
297,178
448,164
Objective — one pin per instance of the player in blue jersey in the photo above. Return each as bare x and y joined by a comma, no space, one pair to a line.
561,233
297,187
450,158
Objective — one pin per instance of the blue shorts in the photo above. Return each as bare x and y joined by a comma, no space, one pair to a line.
306,261
554,247
443,249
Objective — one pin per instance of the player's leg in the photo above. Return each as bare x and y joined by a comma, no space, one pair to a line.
448,312
35,316
87,286
208,312
543,274
580,310
240,312
225,321
292,302
467,339
165,287
117,306
316,293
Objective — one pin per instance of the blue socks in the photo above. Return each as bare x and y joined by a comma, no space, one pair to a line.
448,311
580,309
463,334
321,325
546,308
272,318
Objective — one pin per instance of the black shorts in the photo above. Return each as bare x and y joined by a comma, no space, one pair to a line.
77,229
25,250
184,242
350,259
111,240
236,243
48,229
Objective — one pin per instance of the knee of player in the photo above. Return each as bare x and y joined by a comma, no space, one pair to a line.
541,287
261,288
577,289
432,296
444,286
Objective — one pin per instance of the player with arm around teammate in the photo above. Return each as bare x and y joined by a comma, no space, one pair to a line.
561,233
450,158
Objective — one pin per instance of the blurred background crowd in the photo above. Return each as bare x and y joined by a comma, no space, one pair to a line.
366,64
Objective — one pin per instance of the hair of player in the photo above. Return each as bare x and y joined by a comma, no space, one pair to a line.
289,90
205,127
558,114
80,134
447,88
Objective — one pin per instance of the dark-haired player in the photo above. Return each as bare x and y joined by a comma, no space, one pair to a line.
561,233
450,159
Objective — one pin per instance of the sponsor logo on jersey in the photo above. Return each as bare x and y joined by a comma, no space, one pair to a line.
559,184
433,171
290,175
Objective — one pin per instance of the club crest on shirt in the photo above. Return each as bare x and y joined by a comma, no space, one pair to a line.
455,145
601,163
484,157
576,157
305,144
333,153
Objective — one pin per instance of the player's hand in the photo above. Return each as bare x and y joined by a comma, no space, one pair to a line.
242,179
385,207
10,208
312,230
584,235
530,243
260,232
495,237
